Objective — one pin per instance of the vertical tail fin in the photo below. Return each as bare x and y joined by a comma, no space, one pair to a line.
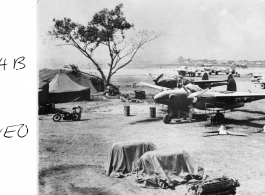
205,76
230,76
231,86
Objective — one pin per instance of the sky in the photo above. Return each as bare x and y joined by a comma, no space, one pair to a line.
197,29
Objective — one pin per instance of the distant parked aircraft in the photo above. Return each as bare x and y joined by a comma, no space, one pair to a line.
178,81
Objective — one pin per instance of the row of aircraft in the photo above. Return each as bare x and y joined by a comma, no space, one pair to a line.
178,81
198,70
194,96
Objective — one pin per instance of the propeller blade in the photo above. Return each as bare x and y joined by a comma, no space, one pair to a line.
159,77
151,76
185,89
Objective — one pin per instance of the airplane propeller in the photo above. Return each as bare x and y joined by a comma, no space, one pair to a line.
193,97
156,79
185,89
159,77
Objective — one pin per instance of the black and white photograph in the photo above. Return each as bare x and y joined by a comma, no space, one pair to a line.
151,97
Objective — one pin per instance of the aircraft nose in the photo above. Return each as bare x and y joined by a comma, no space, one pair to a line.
158,97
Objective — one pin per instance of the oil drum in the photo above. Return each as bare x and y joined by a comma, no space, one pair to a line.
152,112
126,110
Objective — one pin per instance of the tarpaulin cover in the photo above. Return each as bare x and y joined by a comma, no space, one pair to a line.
123,156
166,163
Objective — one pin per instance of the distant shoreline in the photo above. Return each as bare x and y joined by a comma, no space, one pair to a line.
158,66
178,65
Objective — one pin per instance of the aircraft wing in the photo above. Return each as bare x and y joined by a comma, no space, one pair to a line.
208,81
232,94
153,86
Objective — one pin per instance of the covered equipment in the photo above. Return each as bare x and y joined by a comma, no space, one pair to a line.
123,156
63,89
169,164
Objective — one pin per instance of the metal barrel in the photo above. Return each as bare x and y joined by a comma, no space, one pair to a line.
152,112
126,110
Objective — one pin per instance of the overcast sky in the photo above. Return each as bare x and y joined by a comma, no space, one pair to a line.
198,29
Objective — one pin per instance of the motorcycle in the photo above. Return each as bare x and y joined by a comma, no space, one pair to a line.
75,115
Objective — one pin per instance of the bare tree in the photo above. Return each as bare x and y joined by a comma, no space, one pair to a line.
107,28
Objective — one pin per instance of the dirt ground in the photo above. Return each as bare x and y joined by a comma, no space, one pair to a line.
72,154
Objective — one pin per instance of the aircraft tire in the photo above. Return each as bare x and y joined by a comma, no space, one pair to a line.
167,119
262,86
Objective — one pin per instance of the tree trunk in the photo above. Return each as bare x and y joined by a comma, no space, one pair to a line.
108,80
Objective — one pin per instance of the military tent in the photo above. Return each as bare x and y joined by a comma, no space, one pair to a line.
82,80
63,89
91,81
167,163
123,156
43,94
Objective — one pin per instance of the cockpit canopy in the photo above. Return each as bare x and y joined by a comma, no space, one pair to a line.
193,88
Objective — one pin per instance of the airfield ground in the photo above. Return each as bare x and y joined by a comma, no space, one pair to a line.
72,154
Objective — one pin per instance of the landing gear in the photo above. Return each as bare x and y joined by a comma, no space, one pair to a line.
171,113
218,118
174,113
167,119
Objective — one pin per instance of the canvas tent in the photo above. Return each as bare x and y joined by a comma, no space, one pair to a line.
83,80
166,163
123,156
63,89
43,93
91,81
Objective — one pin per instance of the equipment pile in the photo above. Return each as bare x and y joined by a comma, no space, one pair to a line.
218,186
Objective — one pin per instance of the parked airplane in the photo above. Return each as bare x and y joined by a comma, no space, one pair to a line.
178,81
168,82
191,98
185,70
